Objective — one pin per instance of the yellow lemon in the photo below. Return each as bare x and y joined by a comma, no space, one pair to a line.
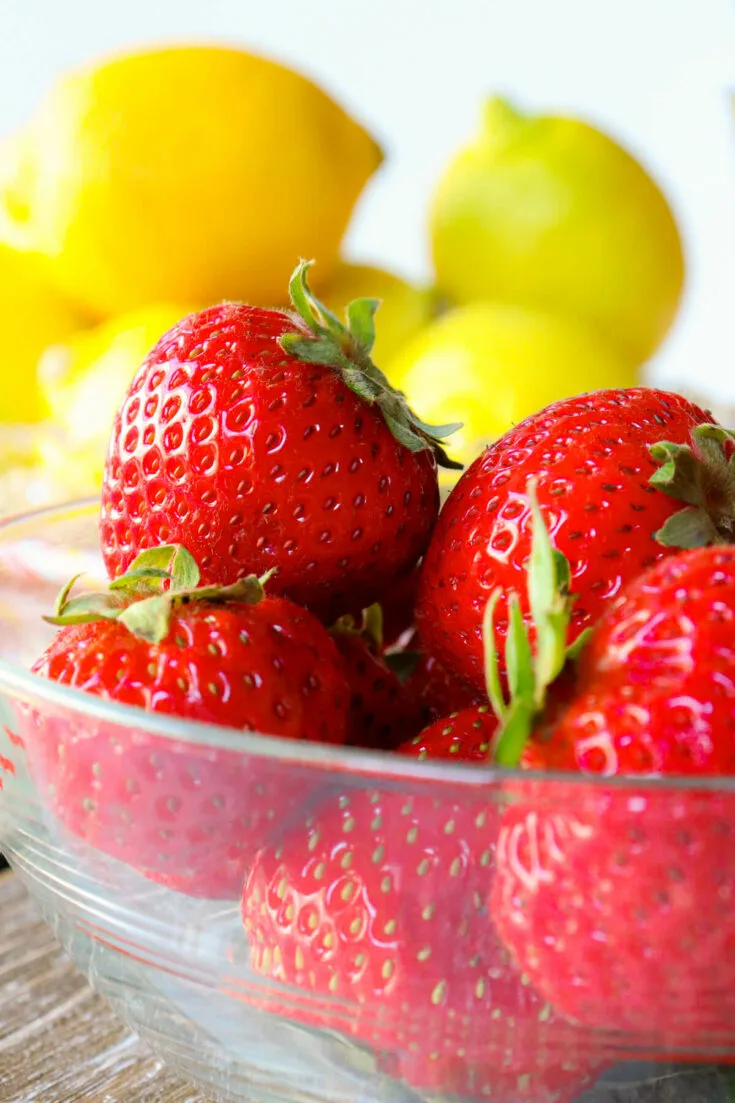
83,383
32,316
185,174
404,308
489,365
553,213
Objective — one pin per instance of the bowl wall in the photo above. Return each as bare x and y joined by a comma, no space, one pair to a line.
618,897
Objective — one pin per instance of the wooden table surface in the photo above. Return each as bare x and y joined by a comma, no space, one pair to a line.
59,1041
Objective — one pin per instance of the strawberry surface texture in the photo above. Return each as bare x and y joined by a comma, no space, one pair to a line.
185,814
590,456
256,459
617,902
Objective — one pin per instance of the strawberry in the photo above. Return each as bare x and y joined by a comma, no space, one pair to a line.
619,903
382,713
483,733
265,439
189,817
438,693
653,692
610,506
374,909
464,736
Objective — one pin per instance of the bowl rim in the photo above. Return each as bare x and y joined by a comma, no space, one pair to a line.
32,688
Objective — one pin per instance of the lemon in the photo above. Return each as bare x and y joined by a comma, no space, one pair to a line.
489,365
404,308
32,316
83,383
550,212
185,174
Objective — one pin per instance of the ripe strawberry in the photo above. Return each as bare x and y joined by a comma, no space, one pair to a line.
438,693
484,733
464,736
263,439
619,903
654,693
189,817
374,908
382,713
601,488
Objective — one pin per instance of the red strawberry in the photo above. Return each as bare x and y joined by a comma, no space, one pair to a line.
591,456
262,439
375,910
464,736
619,903
382,713
187,816
437,692
483,733
654,693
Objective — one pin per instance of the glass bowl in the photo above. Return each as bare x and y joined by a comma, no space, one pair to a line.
146,895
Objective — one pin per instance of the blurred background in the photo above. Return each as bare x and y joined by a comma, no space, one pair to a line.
656,76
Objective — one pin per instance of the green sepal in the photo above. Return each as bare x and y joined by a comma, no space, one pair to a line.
702,475
575,649
549,582
510,741
323,339
493,683
89,607
63,595
361,321
689,528
249,590
530,671
678,474
149,618
132,579
313,350
370,626
172,562
518,654
139,601
403,663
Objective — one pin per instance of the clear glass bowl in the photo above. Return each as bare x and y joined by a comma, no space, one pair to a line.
178,965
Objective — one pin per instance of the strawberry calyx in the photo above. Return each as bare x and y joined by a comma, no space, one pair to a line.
346,349
702,475
158,580
369,628
530,670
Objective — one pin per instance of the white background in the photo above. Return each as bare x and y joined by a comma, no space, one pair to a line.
657,73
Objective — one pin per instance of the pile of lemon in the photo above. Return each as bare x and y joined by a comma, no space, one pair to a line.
155,183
